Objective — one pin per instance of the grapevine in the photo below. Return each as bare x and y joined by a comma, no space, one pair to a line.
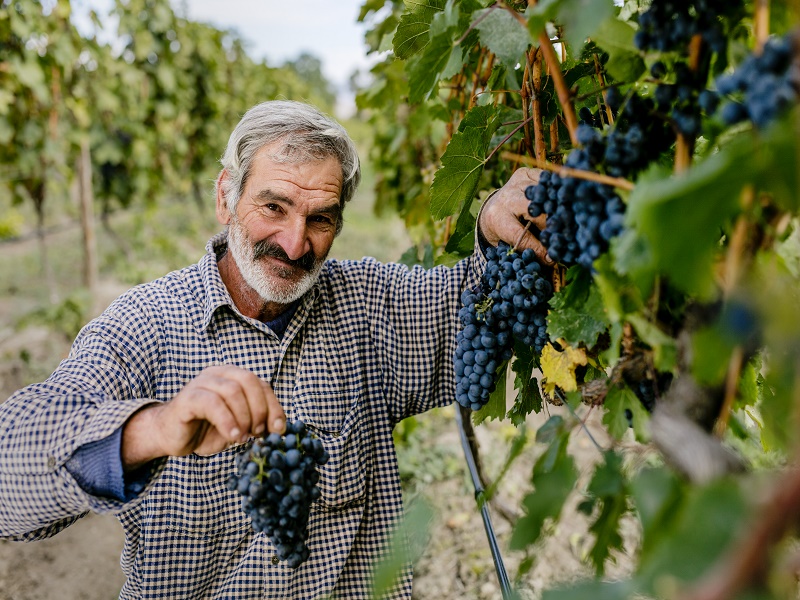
670,204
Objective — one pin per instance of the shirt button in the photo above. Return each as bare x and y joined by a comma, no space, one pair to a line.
275,560
51,462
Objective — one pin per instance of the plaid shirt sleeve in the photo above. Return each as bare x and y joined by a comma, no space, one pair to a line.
413,322
104,380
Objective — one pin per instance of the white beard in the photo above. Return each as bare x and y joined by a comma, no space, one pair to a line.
274,288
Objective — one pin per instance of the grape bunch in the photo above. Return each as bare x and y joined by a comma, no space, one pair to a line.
510,304
669,24
685,100
583,216
766,83
277,478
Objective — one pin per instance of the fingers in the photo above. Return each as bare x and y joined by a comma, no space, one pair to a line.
235,402
277,418
505,217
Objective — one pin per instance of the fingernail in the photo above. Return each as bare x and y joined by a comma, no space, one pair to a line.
259,429
235,433
279,425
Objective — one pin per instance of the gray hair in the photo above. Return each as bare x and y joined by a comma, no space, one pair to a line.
304,134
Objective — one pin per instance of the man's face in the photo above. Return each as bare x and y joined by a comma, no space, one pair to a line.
284,224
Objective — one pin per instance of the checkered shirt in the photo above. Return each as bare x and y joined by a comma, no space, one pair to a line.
369,345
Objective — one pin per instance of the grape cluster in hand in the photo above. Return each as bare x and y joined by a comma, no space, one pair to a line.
511,303
766,83
277,478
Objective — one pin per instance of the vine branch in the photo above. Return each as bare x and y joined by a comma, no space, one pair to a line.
549,53
616,182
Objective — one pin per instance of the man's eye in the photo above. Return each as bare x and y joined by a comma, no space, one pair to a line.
272,206
322,220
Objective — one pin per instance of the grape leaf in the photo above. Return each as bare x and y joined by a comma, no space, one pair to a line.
578,314
665,350
495,408
592,590
624,61
425,71
503,35
617,402
540,14
558,368
681,217
462,162
607,485
710,519
554,476
413,31
528,398
657,495
581,19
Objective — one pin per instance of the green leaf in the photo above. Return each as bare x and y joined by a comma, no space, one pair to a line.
749,384
665,350
657,496
495,408
407,545
710,519
624,61
606,532
711,352
577,312
528,399
682,217
608,485
617,402
554,477
591,590
412,33
462,241
462,162
425,71
581,18
503,35
540,14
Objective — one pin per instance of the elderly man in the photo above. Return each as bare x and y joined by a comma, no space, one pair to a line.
161,392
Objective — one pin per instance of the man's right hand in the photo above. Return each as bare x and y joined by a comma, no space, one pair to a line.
223,405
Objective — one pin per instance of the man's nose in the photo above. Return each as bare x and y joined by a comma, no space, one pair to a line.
294,240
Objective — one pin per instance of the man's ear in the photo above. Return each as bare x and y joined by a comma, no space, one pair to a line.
223,214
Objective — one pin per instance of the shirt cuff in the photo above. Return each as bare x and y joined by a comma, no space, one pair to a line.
97,468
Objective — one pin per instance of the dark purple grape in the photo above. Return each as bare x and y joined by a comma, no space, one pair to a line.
277,479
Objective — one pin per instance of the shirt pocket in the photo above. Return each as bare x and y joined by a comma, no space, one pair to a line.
195,499
341,429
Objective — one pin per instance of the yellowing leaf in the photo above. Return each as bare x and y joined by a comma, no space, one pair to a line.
558,368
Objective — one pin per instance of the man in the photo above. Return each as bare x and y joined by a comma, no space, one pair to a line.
162,391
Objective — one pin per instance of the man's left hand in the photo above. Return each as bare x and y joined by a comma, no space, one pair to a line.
505,216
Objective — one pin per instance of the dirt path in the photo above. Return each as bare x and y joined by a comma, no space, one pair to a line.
80,563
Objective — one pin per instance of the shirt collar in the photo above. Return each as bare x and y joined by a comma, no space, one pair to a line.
217,295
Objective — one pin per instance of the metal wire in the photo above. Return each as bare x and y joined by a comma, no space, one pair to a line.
499,566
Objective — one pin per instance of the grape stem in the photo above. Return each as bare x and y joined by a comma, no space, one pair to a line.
617,182
505,139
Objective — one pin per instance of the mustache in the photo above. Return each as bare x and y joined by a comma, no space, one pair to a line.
273,250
